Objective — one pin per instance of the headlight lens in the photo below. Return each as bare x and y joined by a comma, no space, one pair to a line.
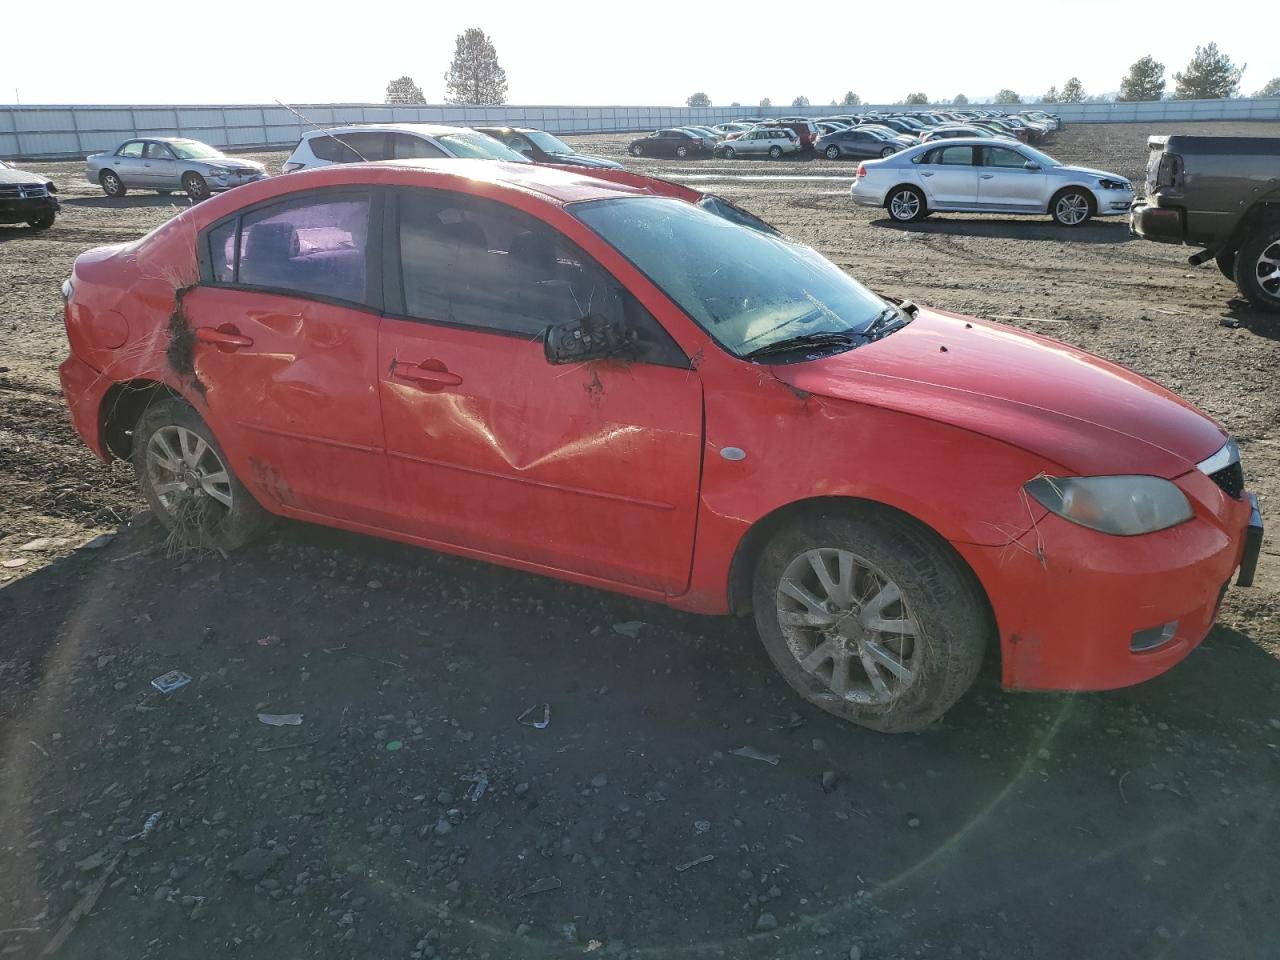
1108,184
1123,506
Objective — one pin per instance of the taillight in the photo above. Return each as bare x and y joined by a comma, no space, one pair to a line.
862,171
1169,171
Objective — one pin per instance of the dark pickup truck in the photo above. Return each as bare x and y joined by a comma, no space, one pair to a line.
1222,194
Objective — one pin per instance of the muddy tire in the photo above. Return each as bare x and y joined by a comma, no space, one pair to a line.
196,186
1226,262
1258,267
889,635
111,183
186,480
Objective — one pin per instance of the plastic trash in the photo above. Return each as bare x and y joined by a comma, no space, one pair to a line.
171,681
751,753
538,716
281,719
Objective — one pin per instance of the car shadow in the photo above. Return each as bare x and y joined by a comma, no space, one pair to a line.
1014,228
178,199
1241,314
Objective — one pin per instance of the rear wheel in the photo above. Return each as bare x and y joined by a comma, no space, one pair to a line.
112,185
870,617
775,152
906,204
887,152
728,153
833,152
1071,207
636,150
41,223
184,476
196,186
1258,268
682,151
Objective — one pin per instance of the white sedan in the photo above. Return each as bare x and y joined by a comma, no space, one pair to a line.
976,175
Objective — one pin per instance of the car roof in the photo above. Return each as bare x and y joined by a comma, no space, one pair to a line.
970,142
425,129
557,185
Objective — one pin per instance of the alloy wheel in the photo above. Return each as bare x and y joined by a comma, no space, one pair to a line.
833,153
187,474
110,183
848,626
1267,270
904,205
1071,209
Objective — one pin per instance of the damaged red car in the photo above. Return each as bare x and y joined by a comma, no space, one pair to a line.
623,383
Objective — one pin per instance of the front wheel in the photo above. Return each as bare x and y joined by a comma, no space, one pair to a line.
41,223
871,617
636,150
906,204
1258,268
682,152
775,152
728,153
1071,208
112,185
887,152
833,152
196,186
185,478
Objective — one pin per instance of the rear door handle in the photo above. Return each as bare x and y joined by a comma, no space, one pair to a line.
226,337
986,176
926,174
432,372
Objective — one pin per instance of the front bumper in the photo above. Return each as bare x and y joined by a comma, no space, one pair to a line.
1076,609
218,184
1113,203
1161,224
27,208
84,389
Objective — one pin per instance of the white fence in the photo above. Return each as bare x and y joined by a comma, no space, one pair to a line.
50,132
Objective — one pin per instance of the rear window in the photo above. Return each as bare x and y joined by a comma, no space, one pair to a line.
351,147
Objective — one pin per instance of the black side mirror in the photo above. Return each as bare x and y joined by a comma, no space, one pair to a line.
592,337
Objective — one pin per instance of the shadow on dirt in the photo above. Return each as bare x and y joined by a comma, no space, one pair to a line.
627,820
1240,313
1010,228
131,201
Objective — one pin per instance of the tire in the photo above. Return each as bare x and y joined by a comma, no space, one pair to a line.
201,511
111,183
635,150
887,152
775,152
196,186
1258,267
1226,262
728,153
41,223
682,151
911,578
1071,207
906,204
833,152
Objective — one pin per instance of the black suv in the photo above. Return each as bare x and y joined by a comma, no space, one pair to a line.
26,197
1223,194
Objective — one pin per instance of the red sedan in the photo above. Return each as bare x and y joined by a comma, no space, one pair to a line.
620,382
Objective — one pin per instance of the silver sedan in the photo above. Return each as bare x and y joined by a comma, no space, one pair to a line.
973,175
166,164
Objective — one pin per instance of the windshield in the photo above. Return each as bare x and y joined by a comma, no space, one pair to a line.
746,288
1042,158
479,146
193,150
549,144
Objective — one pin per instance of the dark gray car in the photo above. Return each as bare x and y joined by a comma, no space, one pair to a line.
857,144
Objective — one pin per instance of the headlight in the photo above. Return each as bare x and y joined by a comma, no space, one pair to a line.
1123,506
1108,184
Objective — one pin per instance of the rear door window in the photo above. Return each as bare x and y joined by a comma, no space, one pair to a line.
1002,157
315,246
133,149
952,156
405,146
158,151
351,147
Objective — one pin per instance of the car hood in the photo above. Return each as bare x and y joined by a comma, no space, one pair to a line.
582,160
1077,411
22,176
230,162
1089,172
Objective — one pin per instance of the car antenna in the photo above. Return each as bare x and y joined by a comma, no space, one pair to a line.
323,130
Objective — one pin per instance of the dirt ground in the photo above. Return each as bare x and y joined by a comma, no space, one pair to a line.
411,816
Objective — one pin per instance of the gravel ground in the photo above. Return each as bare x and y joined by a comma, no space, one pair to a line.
410,815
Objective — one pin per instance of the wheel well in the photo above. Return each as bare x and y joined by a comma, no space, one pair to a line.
122,406
888,194
742,568
103,173
1257,217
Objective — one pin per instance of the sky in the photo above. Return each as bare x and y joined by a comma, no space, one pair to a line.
651,53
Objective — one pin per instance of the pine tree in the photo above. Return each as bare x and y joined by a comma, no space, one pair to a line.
404,90
1051,96
1073,91
1145,80
474,77
800,102
917,99
1007,96
766,102
699,99
851,99
1209,76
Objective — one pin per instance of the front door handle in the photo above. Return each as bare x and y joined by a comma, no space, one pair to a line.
926,174
226,337
986,176
431,372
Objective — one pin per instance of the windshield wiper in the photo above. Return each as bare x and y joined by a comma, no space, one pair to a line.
824,338
890,319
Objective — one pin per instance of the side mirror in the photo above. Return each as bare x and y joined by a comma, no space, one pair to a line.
1032,165
592,337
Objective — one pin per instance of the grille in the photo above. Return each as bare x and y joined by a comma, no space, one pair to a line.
1231,479
22,191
